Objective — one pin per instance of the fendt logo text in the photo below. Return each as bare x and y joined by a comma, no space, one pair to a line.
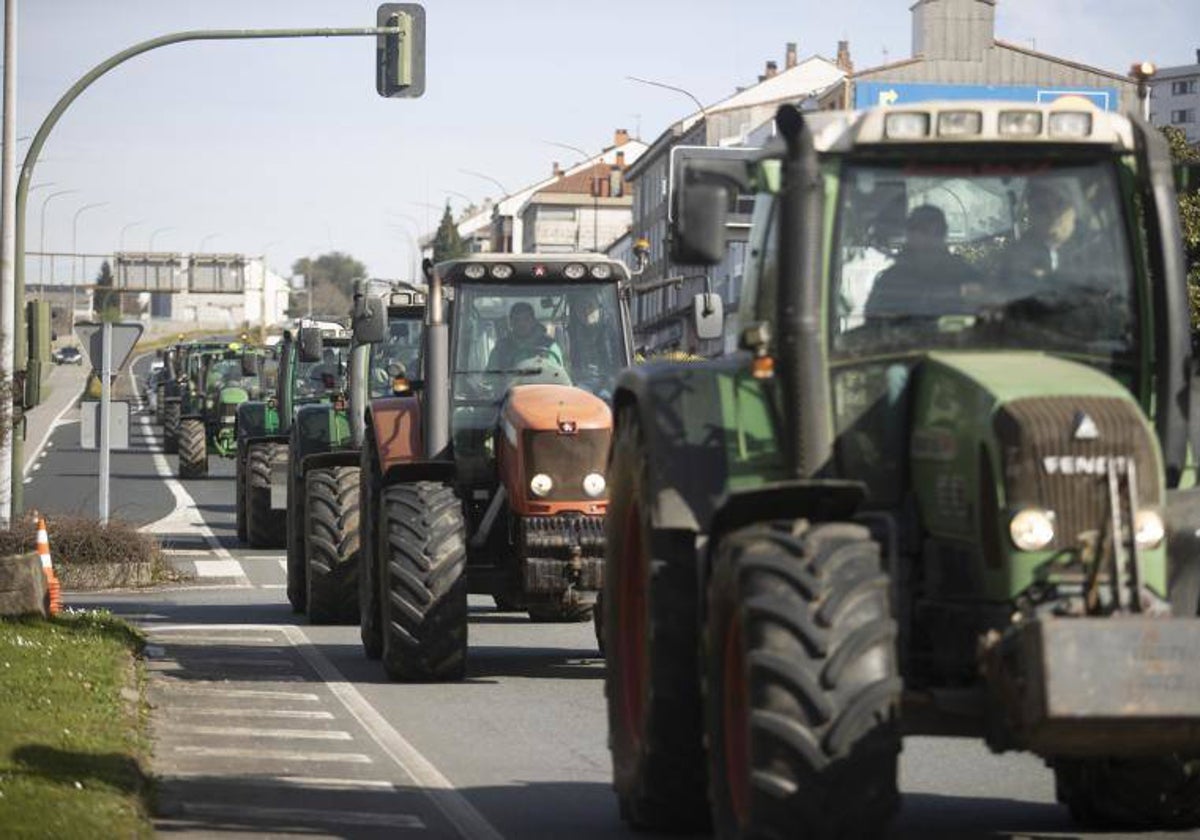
1084,464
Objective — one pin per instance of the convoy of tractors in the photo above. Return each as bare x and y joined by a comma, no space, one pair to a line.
945,486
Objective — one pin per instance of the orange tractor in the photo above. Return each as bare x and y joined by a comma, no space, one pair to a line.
489,476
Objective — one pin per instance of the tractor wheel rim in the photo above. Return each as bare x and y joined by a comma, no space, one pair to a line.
631,626
735,721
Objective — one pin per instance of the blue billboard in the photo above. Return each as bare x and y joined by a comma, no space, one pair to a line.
870,94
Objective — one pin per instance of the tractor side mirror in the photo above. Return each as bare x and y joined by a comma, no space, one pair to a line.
709,311
311,344
370,322
249,364
699,235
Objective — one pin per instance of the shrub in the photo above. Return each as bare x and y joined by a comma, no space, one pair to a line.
76,540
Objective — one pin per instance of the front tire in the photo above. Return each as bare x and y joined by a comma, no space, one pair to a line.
802,685
171,413
651,676
265,527
424,598
193,448
331,544
370,624
239,484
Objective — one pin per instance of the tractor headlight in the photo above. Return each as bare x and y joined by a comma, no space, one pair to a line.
1032,529
541,485
1148,528
594,484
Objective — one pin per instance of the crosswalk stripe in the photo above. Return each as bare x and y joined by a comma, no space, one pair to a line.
255,732
274,755
294,816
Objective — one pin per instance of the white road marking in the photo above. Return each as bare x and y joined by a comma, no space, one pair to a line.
294,816
257,662
256,732
272,586
310,782
227,568
247,693
274,755
289,714
283,565
54,424
470,824
261,641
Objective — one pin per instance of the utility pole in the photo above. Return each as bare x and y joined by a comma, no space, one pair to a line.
8,254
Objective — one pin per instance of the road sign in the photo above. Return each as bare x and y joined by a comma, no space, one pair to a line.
870,94
124,337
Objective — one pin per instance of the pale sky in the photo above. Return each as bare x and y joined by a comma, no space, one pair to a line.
285,148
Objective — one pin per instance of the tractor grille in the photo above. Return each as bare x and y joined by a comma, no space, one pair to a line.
1047,463
229,412
566,459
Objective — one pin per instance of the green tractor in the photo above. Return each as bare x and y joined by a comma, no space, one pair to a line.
325,450
178,366
263,428
218,382
944,488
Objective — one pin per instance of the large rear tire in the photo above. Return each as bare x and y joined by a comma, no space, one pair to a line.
370,623
1161,793
297,567
802,684
331,544
160,395
265,527
651,677
171,427
193,448
424,603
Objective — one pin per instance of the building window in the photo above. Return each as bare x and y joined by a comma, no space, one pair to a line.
556,214
1182,87
1181,117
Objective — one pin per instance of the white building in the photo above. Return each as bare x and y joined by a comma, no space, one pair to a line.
1175,98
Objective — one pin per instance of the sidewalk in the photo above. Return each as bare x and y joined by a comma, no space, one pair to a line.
65,384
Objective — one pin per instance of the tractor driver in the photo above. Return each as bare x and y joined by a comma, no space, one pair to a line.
527,344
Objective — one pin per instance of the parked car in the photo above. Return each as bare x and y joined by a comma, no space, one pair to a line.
67,356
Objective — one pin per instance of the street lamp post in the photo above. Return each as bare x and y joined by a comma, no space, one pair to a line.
150,248
75,254
121,235
503,189
205,239
42,234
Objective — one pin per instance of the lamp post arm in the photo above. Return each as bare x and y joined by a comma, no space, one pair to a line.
20,350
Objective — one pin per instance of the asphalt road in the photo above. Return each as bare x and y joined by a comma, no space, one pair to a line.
266,726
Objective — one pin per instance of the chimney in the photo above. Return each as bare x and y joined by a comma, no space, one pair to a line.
843,57
772,70
1198,56
555,170
620,164
620,137
790,61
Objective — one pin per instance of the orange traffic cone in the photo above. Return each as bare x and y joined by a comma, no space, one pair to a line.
53,587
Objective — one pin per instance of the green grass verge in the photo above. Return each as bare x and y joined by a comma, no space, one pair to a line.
73,742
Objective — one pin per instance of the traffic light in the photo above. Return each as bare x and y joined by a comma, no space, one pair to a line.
400,56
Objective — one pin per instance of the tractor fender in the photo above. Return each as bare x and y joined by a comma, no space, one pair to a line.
688,419
394,423
404,473
312,429
251,420
821,500
338,458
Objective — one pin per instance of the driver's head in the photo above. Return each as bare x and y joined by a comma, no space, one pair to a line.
1052,215
521,320
925,229
587,310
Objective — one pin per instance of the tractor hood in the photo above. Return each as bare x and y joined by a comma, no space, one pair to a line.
995,433
234,395
553,407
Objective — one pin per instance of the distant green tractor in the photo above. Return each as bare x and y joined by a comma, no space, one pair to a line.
209,400
263,434
945,488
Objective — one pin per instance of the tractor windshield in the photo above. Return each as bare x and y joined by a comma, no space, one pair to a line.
315,380
1021,254
398,355
525,333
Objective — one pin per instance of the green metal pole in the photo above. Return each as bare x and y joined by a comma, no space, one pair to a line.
20,341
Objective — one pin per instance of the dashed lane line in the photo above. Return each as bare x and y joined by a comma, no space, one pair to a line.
455,807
